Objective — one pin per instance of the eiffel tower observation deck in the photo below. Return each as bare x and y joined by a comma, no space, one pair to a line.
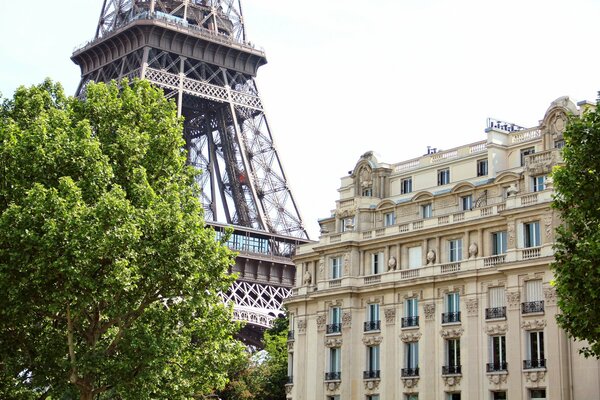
197,52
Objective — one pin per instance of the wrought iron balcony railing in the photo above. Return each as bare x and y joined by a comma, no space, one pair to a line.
532,307
409,372
371,374
451,369
450,317
372,326
534,363
333,376
497,366
410,321
334,328
495,312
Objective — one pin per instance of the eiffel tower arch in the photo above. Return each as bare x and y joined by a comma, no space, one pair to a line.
197,52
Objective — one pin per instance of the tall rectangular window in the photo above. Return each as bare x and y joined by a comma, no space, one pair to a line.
415,257
372,359
367,192
389,219
336,268
499,243
443,176
526,152
453,356
406,185
466,203
497,354
452,307
335,365
455,250
538,183
426,210
347,224
373,322
411,313
376,263
532,234
411,358
482,167
535,350
496,303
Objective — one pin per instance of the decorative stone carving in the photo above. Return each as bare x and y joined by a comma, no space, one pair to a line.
431,257
533,324
408,337
347,320
372,384
290,346
372,340
333,386
307,278
321,268
410,383
472,307
451,333
392,263
548,226
511,234
473,250
333,342
429,311
390,315
346,264
550,296
288,388
301,326
512,190
497,379
513,299
498,329
451,381
534,378
321,322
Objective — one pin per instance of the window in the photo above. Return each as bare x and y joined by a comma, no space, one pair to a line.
559,143
499,243
336,397
335,320
466,202
389,219
426,210
455,250
443,176
290,368
538,183
498,395
415,257
334,373
376,263
367,192
372,370
406,185
496,302
336,268
373,397
411,359
453,396
347,224
412,396
535,350
373,322
537,394
497,354
532,234
452,306
411,313
533,297
452,357
526,152
482,167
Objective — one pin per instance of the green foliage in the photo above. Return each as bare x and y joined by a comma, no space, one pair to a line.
109,278
263,375
577,249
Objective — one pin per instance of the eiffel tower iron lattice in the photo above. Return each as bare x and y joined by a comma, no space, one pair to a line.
197,52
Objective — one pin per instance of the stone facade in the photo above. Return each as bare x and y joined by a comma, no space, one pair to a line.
433,279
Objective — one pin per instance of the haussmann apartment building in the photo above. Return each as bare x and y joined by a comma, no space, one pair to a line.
431,279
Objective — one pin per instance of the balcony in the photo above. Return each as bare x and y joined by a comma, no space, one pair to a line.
534,363
451,370
450,317
497,366
333,376
372,326
409,372
532,307
334,328
495,312
372,374
290,335
408,322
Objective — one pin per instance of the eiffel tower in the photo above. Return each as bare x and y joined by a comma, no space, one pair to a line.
196,51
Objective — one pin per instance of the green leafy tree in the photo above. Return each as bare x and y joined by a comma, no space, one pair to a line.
109,279
577,248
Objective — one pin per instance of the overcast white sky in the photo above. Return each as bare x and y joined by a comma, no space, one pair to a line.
348,76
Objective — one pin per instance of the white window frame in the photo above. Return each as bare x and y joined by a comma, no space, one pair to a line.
373,358
538,183
373,312
427,210
335,358
443,176
455,250
482,167
335,268
497,342
406,185
376,263
415,257
335,315
466,202
389,218
535,345
411,355
499,243
411,307
531,234
453,352
452,302
497,297
533,290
